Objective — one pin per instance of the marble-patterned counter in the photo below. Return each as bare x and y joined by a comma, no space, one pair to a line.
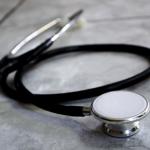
118,21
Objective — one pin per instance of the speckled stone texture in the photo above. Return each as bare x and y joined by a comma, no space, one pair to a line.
118,21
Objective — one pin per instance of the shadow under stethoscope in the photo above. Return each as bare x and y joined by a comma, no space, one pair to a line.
96,138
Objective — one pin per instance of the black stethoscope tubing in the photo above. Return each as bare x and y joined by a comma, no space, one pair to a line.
53,102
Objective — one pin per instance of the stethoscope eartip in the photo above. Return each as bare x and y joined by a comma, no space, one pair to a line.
120,112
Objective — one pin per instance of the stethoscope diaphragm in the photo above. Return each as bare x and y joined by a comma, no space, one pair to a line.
120,112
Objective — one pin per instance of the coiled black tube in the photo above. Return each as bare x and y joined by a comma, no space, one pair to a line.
52,102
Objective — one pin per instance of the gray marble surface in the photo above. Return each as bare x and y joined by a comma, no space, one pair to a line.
117,21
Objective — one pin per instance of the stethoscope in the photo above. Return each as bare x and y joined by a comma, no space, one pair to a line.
120,111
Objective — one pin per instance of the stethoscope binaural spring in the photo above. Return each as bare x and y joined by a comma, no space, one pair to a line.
119,124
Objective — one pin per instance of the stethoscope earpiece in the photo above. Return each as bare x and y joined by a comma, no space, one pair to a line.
120,112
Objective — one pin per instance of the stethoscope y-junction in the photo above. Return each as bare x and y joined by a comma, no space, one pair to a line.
119,110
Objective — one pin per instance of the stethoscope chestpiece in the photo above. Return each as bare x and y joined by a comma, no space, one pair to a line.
120,112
